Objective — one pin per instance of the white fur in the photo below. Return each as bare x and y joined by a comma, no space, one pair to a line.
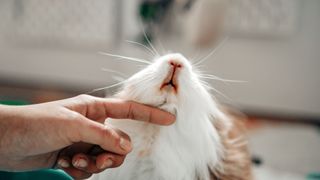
182,151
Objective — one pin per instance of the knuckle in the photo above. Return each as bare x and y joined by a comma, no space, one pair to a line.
122,134
101,131
84,96
118,161
149,116
130,113
72,124
117,141
112,135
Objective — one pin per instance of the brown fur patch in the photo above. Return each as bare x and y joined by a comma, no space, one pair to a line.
236,160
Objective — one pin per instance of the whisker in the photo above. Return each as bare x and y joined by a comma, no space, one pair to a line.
117,78
220,93
144,80
126,58
164,51
206,84
114,71
145,35
198,66
157,32
213,51
107,87
140,44
213,77
196,56
141,66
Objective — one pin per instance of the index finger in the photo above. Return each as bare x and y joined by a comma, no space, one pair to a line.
119,109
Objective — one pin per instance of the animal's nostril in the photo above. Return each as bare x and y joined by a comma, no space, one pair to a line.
175,64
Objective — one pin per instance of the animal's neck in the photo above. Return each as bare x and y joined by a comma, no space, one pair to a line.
193,140
188,146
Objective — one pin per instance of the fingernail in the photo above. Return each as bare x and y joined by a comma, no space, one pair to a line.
63,163
81,163
106,164
125,145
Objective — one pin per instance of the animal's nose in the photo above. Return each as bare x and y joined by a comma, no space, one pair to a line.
175,64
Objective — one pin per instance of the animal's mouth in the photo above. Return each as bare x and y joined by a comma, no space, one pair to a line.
171,82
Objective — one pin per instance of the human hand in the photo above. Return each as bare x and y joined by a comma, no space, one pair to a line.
31,137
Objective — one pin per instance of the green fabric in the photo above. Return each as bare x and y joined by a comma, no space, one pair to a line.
46,174
314,176
14,102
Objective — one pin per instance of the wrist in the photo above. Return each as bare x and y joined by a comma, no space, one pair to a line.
10,125
5,119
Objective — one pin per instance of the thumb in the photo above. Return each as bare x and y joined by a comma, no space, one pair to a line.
108,138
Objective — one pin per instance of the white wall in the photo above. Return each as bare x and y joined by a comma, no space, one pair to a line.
281,75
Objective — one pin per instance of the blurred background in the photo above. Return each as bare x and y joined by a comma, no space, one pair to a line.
49,49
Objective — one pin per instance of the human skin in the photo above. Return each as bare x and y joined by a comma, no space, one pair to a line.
66,133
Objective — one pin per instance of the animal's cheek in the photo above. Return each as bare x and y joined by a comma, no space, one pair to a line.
151,97
185,74
184,82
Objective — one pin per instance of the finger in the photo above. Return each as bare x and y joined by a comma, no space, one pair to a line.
106,137
109,160
120,109
77,173
84,162
99,163
64,162
80,161
75,148
99,109
88,166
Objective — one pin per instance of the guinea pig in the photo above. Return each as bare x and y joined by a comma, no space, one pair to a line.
203,144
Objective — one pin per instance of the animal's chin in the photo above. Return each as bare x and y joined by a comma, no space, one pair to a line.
171,108
169,103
